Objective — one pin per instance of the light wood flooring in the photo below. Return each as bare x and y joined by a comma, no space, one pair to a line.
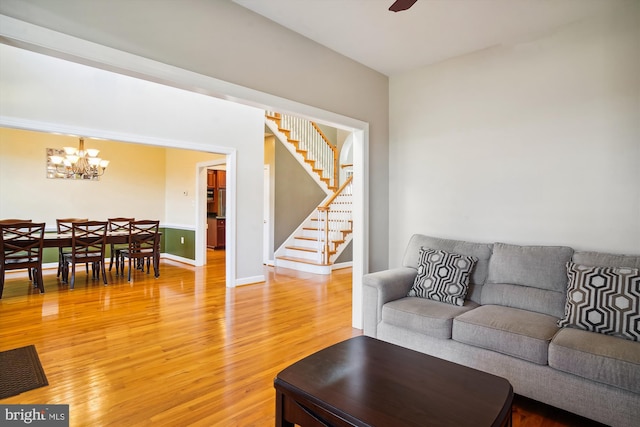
182,349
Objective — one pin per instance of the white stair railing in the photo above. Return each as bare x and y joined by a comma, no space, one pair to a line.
334,220
310,139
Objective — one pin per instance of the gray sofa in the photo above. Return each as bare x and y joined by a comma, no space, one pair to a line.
508,326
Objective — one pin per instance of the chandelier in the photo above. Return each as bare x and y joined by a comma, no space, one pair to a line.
77,163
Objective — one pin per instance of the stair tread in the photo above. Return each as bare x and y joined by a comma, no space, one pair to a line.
311,239
301,248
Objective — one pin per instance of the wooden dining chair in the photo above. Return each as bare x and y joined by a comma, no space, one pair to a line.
21,247
63,226
143,245
88,242
117,225
13,221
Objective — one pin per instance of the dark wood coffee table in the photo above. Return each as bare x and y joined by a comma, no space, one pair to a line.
367,382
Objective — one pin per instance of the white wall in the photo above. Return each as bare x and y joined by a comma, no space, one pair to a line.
537,143
223,40
40,89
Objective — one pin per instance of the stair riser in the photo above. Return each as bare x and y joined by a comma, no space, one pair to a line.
310,233
304,267
311,244
312,256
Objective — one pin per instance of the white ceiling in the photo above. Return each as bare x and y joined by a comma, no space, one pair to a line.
429,32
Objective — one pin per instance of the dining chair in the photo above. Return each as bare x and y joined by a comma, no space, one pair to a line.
143,245
21,247
117,225
88,242
13,221
63,226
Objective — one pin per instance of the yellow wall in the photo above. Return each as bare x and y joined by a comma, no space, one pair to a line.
180,184
135,184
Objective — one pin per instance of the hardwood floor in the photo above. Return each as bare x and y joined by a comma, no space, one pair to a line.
183,349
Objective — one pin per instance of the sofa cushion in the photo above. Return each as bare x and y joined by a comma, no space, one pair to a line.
603,259
528,277
602,358
424,316
519,333
442,276
604,300
482,251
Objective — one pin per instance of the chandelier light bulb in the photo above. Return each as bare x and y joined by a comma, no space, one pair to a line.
56,160
94,161
79,163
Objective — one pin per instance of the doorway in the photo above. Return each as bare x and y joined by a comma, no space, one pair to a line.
146,70
210,208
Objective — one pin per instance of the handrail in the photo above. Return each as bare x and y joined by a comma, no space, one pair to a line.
326,204
323,219
333,148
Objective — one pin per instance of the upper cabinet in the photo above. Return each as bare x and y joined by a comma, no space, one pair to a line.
216,178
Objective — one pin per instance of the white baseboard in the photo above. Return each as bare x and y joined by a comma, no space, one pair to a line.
179,259
250,280
342,265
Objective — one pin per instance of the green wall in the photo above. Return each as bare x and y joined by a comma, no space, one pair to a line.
171,242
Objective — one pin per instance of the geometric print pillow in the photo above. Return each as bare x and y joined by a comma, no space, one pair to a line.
604,300
442,276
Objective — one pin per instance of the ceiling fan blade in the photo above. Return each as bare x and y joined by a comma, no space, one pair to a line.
400,5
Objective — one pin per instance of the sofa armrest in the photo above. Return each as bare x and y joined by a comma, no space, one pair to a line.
381,287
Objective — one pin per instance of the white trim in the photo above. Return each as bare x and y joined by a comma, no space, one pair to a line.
250,280
26,124
178,258
178,227
360,213
340,265
231,222
39,39
201,209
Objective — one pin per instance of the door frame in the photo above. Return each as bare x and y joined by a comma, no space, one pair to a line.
42,40
201,212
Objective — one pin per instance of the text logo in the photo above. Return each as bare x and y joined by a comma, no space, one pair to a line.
34,415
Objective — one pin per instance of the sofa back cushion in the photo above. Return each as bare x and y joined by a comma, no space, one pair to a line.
602,259
481,251
528,277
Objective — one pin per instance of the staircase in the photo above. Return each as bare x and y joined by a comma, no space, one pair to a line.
316,244
309,146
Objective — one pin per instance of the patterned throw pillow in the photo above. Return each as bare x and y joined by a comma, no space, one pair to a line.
442,276
604,300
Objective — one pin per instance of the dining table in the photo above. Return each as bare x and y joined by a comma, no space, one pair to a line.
63,240
55,240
